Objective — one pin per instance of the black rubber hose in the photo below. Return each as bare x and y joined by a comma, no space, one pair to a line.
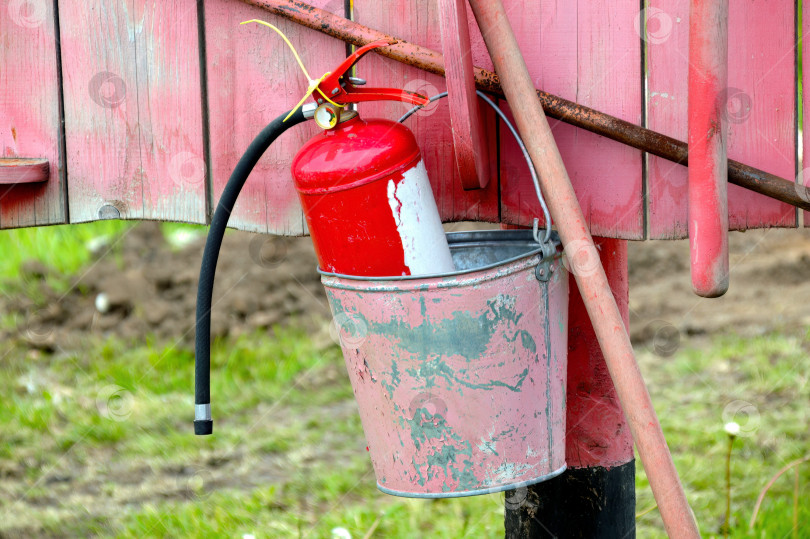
203,424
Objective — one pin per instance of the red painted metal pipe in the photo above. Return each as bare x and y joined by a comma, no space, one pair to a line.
584,264
555,107
708,136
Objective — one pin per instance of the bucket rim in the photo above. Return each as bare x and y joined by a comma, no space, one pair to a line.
455,238
473,492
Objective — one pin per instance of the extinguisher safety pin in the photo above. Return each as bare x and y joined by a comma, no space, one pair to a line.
314,84
340,89
343,88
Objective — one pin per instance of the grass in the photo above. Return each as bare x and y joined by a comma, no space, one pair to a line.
133,406
63,248
282,399
98,442
760,383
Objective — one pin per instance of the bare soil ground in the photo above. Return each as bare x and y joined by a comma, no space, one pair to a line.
147,288
150,289
769,288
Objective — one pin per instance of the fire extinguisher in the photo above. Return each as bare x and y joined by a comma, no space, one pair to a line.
364,188
365,194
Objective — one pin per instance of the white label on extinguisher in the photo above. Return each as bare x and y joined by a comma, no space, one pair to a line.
418,223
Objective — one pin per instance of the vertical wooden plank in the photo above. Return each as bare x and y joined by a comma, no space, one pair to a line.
252,78
133,113
759,104
465,117
666,42
417,21
539,27
29,110
587,52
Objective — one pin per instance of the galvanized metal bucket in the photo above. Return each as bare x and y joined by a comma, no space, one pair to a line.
460,377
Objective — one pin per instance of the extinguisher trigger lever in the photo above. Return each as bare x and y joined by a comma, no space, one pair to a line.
342,88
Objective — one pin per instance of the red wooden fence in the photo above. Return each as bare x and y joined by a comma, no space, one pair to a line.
161,98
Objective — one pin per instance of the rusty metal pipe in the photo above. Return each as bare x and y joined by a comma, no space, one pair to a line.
591,279
555,107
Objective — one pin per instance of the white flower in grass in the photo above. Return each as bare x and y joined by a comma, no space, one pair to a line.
732,428
102,303
341,533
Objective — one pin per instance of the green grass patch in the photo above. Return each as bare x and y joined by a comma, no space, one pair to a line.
761,384
99,441
63,248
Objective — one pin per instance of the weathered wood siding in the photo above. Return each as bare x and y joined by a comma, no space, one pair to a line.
760,106
29,111
252,78
161,98
133,111
588,52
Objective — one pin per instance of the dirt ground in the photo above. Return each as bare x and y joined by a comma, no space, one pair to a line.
149,288
769,289
142,286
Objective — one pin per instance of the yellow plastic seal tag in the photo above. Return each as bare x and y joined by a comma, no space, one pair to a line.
313,84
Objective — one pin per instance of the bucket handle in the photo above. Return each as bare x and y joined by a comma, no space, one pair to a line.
545,241
546,236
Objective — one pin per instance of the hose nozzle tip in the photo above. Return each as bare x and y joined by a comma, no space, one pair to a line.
203,424
203,427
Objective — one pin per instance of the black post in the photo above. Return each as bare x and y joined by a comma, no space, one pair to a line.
582,503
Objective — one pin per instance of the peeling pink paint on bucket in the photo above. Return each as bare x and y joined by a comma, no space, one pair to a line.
460,378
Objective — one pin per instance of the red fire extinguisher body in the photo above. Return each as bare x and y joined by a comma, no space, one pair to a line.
368,203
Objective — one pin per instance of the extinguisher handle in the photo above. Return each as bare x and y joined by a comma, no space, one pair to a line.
341,90
361,95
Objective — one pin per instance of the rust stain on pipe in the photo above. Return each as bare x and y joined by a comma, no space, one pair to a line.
554,106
